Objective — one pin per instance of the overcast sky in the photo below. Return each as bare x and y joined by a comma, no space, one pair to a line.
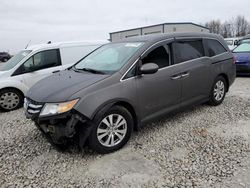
90,20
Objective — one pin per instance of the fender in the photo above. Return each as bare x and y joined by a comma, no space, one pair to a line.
14,84
105,106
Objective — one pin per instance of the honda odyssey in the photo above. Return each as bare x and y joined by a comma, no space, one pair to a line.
122,85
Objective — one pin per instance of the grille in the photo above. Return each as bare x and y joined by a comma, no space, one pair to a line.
32,107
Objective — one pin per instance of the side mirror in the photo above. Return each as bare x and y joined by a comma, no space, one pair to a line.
149,68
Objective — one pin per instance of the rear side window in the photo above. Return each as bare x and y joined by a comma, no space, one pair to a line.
187,50
213,47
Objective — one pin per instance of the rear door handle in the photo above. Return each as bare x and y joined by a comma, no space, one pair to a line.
56,71
176,77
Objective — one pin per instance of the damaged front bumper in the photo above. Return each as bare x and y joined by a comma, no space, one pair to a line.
61,127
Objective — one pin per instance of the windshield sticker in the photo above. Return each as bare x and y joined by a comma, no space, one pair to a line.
135,45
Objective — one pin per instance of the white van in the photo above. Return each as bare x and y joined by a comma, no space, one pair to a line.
33,64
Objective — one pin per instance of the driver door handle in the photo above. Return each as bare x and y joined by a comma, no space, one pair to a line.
176,77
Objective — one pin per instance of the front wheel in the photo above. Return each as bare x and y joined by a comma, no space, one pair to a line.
111,130
10,99
218,91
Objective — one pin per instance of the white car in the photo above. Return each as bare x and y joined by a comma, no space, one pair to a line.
232,42
33,64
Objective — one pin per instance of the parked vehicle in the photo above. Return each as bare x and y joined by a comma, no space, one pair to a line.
242,56
232,42
4,56
34,63
245,39
123,85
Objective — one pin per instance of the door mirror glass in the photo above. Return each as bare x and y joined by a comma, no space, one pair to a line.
149,68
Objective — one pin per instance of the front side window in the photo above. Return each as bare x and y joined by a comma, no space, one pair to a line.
187,50
109,58
42,60
15,60
213,47
245,47
158,56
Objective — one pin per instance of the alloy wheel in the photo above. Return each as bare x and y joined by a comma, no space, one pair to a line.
219,90
112,130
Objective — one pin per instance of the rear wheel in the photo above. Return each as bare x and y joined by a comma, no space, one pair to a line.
10,99
218,91
112,130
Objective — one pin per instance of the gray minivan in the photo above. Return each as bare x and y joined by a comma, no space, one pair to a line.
122,85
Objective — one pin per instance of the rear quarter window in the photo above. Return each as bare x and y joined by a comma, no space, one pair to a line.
213,47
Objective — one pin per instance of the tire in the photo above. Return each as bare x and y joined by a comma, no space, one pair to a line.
120,134
10,99
218,91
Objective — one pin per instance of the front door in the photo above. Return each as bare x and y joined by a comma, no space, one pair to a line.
158,93
39,66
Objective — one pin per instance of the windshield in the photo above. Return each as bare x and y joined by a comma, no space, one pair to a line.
110,57
245,47
14,60
245,41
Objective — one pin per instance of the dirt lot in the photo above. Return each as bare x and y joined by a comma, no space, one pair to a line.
201,147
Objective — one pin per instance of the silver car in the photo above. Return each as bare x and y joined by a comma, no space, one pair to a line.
120,86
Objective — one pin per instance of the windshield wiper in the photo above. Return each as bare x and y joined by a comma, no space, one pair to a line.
74,69
93,71
90,70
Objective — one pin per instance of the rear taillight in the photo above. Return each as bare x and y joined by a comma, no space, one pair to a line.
234,60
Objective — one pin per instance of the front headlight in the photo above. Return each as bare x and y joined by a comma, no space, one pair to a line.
57,108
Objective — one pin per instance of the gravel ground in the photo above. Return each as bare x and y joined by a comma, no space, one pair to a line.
201,147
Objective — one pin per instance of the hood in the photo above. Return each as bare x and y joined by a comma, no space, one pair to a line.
242,57
60,86
4,74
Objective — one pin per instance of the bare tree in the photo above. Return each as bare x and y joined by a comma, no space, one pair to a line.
214,26
227,29
235,27
241,26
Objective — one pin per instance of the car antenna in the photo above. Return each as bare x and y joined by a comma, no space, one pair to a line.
49,42
27,44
